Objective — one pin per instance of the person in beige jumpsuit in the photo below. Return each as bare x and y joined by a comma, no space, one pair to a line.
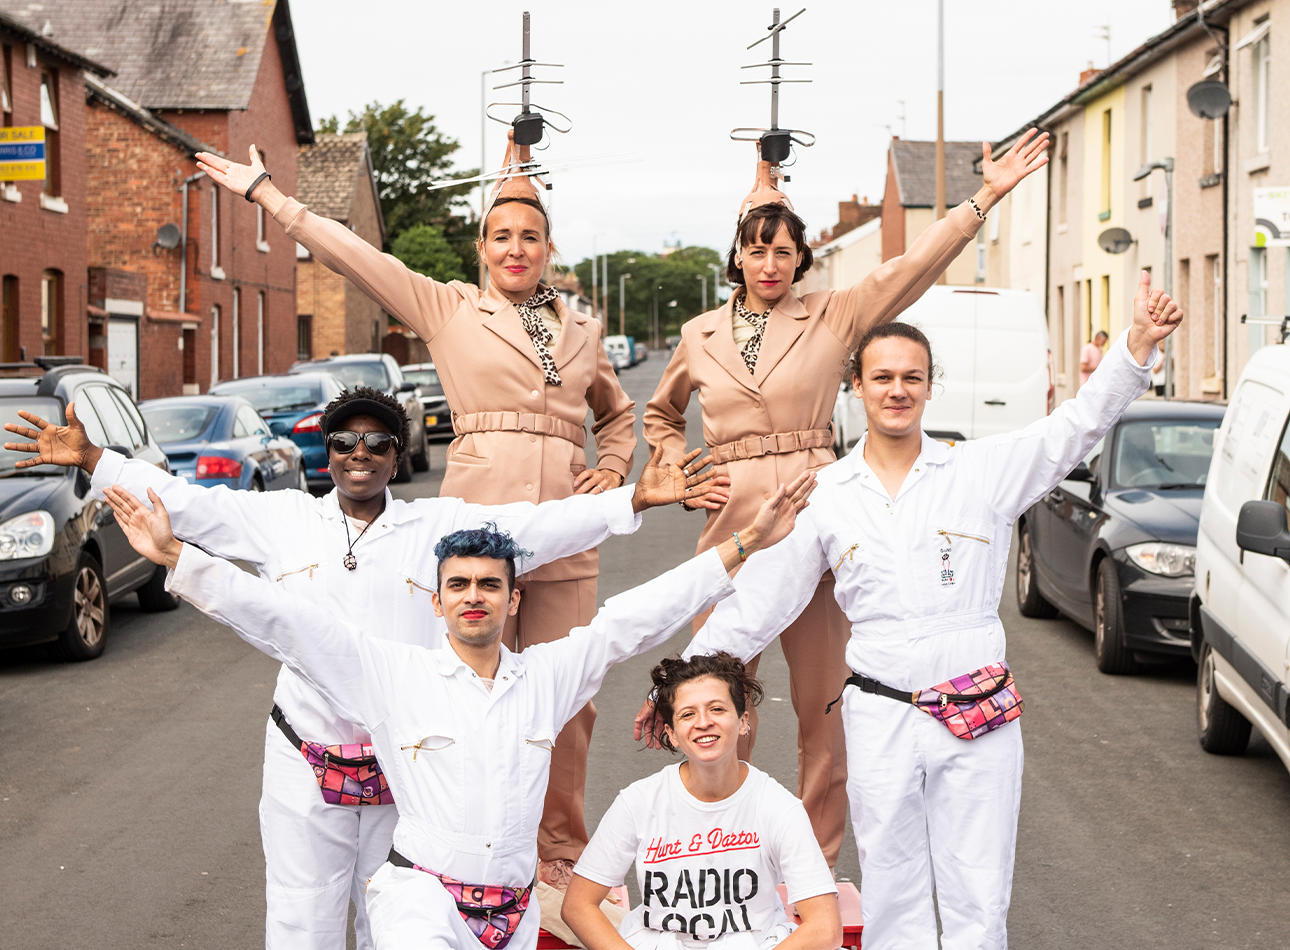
769,424
519,399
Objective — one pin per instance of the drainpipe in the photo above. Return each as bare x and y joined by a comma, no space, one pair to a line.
183,243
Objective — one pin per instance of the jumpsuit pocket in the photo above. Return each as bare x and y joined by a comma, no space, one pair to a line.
960,552
535,764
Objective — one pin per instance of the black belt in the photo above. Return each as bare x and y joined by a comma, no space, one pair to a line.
867,685
280,720
469,910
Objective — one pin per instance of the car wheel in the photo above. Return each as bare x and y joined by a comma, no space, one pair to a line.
421,461
1030,602
153,596
1113,654
404,472
86,633
302,479
1221,729
257,483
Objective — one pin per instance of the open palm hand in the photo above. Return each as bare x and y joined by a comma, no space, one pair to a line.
1028,154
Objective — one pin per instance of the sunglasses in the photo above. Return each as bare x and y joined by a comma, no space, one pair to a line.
344,442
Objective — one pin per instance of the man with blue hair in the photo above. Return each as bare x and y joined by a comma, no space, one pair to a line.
464,733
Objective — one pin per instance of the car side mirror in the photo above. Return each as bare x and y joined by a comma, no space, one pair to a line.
278,428
128,453
406,386
1261,528
1081,473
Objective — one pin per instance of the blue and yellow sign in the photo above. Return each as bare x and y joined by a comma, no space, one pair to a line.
22,153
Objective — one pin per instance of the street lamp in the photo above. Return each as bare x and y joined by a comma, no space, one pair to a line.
703,287
1166,165
716,284
622,301
657,288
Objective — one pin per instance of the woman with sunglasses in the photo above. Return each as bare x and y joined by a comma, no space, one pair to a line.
361,553
766,366
520,371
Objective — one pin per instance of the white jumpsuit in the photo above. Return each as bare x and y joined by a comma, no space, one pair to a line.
919,577
468,765
317,855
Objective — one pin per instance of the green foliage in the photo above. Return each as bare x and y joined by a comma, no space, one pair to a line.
425,250
408,153
679,278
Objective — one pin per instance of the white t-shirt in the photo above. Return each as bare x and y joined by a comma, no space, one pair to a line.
707,869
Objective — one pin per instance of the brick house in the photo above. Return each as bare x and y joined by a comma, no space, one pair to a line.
336,179
909,200
190,74
42,252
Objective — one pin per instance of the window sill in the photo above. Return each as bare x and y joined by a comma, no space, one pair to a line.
1104,215
11,193
1209,181
1062,228
1146,202
262,247
57,205
217,272
1259,163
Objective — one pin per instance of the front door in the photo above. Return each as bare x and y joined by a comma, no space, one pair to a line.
123,352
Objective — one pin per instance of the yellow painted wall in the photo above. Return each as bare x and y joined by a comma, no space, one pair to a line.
1097,263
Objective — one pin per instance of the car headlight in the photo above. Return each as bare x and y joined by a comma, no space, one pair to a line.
29,535
1171,560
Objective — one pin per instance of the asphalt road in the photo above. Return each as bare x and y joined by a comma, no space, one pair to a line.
129,784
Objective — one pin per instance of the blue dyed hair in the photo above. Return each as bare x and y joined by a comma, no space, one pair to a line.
481,542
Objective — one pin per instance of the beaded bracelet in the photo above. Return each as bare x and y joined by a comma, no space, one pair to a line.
743,555
979,213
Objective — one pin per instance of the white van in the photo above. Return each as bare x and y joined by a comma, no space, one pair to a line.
993,347
1240,610
619,350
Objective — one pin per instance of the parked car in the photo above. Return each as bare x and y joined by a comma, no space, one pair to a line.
671,341
641,351
63,558
1113,546
381,371
434,404
992,345
292,405
621,351
1241,602
222,440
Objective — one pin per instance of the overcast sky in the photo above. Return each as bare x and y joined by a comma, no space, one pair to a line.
661,80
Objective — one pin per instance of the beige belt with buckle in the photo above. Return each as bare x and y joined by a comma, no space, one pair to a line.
777,443
534,422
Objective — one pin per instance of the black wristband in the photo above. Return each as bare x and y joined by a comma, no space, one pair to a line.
255,184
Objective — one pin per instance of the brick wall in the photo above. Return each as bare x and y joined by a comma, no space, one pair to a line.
37,239
322,294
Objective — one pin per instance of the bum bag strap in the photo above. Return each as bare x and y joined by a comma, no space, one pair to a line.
867,685
399,861
280,720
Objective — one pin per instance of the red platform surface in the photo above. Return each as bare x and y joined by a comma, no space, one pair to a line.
848,906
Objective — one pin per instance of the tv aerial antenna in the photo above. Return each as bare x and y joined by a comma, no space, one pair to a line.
529,128
776,144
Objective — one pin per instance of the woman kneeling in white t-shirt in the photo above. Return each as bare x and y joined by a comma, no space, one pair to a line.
712,837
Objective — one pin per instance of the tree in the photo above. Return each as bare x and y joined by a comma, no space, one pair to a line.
408,153
680,276
425,250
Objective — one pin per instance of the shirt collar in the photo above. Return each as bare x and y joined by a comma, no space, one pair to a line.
396,510
931,452
449,663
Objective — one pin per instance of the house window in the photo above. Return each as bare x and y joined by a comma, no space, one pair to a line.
9,321
214,344
1106,166
51,311
1062,171
304,337
1216,294
49,119
217,272
1146,138
980,258
1217,125
237,333
1057,331
261,241
6,84
190,356
1104,318
259,333
1262,56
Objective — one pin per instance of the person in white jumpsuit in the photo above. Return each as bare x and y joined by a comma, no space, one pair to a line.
464,732
917,533
319,855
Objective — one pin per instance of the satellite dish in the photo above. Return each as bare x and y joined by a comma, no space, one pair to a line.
1115,240
168,237
1209,99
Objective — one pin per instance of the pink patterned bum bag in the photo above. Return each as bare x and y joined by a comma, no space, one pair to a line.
347,774
969,705
492,912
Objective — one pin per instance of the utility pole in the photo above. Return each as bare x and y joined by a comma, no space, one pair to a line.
483,158
940,117
594,261
703,288
622,301
716,285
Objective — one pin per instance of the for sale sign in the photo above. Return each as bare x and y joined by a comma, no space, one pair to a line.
22,153
1272,217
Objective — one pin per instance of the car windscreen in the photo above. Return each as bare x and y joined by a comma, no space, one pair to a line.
275,396
48,409
422,377
178,423
1166,453
359,374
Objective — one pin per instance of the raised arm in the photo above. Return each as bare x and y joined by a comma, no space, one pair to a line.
422,304
665,413
1019,468
327,652
239,525
897,283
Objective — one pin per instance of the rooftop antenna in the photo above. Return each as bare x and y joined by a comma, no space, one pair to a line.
529,126
775,143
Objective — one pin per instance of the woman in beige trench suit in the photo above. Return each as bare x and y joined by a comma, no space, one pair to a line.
520,434
769,424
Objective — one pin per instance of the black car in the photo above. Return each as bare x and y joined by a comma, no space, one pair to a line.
63,558
1113,547
434,404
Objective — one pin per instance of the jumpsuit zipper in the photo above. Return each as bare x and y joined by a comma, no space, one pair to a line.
950,535
310,569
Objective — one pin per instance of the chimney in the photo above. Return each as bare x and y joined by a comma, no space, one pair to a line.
1088,73
1184,8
